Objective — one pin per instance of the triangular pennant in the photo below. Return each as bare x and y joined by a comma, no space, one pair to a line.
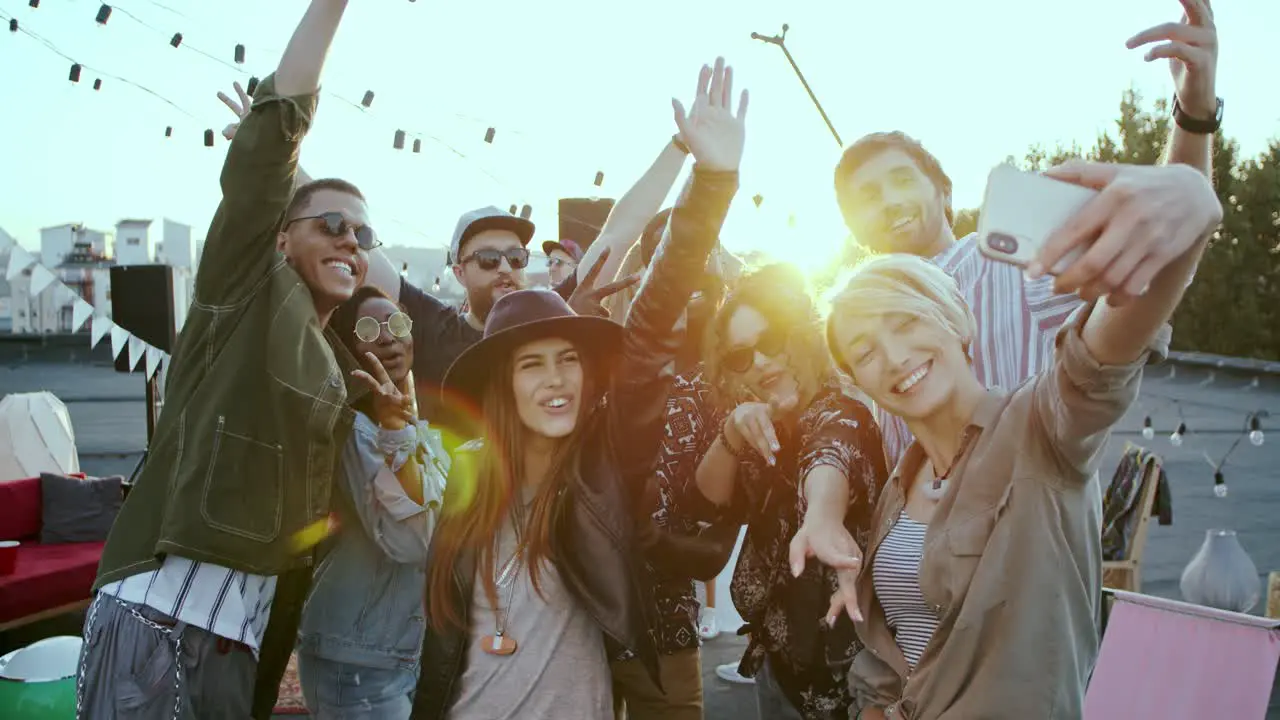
80,312
19,260
63,294
119,338
98,329
41,278
136,350
154,356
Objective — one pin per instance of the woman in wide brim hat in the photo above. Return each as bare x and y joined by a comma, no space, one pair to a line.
537,560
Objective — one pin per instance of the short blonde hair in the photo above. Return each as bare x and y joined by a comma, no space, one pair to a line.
900,283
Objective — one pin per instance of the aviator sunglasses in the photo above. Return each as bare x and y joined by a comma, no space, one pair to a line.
489,258
771,343
334,225
369,328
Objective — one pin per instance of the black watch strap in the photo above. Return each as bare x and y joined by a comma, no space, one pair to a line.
1200,126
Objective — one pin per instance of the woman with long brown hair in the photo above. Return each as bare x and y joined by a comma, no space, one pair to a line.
799,461
537,559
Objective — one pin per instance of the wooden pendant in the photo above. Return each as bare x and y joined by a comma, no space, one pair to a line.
498,645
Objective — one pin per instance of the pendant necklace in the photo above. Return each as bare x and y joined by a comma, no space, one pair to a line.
499,643
936,489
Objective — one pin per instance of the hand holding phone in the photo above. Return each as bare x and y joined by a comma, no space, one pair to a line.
1021,210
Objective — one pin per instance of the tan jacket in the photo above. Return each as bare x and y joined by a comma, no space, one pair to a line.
1012,559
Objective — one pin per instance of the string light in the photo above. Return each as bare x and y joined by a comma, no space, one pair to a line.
599,179
239,54
1176,438
104,14
1148,431
367,100
177,40
1219,484
488,135
1255,430
757,199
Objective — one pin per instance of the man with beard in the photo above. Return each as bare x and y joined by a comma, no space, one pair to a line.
489,255
895,197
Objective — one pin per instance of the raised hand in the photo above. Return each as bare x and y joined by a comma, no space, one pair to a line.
1191,47
832,544
587,299
241,109
392,404
714,134
1143,218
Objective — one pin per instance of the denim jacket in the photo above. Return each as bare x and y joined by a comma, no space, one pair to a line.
365,605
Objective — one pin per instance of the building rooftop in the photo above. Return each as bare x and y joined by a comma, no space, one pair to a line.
133,221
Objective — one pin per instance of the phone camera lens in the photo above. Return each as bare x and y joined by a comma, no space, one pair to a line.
1003,243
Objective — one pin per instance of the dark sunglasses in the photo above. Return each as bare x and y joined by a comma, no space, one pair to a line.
334,225
369,328
770,344
489,259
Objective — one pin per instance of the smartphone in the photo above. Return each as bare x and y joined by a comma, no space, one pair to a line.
1021,210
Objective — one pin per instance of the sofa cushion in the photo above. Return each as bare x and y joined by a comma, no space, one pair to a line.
20,509
48,576
78,510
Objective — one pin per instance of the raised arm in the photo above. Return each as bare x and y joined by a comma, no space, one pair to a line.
259,172
642,381
634,210
1151,226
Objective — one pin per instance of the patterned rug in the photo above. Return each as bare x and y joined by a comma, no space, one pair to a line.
289,701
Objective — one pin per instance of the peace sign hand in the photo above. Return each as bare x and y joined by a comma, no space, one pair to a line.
392,405
587,299
714,134
241,109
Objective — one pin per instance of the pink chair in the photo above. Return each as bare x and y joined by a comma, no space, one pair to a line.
1168,659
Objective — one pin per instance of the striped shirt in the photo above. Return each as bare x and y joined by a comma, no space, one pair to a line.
1018,321
228,603
896,573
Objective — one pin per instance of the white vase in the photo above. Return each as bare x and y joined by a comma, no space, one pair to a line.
1221,575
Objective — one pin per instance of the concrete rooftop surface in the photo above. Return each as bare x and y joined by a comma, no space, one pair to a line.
107,409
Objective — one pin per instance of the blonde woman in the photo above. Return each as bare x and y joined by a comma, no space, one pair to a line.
983,584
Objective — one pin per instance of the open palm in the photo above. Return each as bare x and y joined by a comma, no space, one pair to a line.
714,133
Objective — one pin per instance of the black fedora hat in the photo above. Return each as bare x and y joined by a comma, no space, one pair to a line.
524,316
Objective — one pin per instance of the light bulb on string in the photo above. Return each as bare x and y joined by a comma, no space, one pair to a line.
1255,432
104,14
1148,431
1219,484
1176,438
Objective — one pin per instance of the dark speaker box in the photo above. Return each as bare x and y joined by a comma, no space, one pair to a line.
142,303
582,218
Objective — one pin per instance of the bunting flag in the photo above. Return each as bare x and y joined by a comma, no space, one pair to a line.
136,350
98,330
19,260
154,354
81,311
119,338
41,278
44,280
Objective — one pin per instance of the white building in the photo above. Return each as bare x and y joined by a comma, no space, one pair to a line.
58,241
175,247
133,242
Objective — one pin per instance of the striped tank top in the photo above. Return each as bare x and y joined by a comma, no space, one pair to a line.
896,574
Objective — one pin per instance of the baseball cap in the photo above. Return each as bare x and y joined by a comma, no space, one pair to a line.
568,247
488,218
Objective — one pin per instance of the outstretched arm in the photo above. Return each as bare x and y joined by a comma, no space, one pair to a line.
260,170
633,211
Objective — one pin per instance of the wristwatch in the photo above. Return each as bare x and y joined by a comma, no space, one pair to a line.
1199,126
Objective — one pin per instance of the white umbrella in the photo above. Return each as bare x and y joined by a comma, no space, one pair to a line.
35,437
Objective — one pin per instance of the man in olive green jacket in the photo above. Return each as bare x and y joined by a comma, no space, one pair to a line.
210,544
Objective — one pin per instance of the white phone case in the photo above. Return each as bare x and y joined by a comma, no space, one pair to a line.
1019,212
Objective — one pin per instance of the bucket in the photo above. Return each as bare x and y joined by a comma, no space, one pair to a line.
38,682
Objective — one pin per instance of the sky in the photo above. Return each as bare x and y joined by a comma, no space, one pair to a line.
572,88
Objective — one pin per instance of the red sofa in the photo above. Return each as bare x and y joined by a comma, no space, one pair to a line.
49,579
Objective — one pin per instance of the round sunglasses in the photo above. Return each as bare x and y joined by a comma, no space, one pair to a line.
771,343
488,259
369,328
334,225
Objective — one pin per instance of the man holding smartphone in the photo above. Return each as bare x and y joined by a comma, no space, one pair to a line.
895,197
